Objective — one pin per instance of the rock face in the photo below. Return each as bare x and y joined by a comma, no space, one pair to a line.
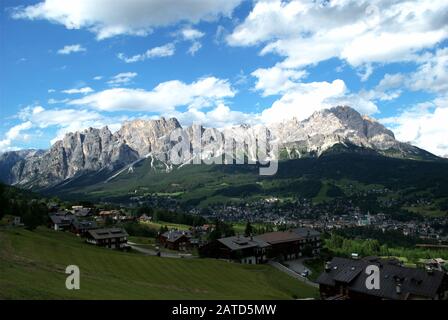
78,153
146,136
8,160
326,128
94,150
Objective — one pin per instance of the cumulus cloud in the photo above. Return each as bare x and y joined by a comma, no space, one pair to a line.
122,78
301,100
67,119
84,90
359,32
164,97
424,125
220,116
191,34
72,49
14,134
166,50
432,74
276,80
132,17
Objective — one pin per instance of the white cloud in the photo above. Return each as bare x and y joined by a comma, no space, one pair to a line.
132,17
67,120
301,100
164,97
424,125
72,49
191,34
166,50
195,46
359,32
51,90
219,117
84,90
56,101
97,78
389,88
14,134
432,74
122,78
276,80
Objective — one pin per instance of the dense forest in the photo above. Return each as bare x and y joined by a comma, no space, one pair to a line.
28,206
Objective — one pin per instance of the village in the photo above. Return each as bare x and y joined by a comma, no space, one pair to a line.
327,216
286,249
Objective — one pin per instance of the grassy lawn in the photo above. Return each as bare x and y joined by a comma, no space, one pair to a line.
427,211
170,225
32,266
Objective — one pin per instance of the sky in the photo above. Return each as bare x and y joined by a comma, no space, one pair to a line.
68,65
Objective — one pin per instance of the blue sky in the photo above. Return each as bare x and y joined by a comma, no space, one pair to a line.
68,65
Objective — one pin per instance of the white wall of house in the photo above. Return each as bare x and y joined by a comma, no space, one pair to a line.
249,260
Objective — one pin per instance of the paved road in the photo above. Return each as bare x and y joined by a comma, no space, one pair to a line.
292,273
150,252
297,265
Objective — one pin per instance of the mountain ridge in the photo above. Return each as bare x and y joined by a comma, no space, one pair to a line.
93,150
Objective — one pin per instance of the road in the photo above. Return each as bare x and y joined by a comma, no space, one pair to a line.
292,273
151,252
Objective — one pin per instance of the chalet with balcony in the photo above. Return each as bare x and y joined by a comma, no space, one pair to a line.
248,250
175,240
115,238
345,279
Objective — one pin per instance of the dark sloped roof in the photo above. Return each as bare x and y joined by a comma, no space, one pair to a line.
239,242
279,237
174,235
306,232
62,220
107,233
84,224
414,282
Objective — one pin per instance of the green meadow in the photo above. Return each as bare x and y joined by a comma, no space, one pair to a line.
32,266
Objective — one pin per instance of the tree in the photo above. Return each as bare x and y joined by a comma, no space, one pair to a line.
4,203
249,229
163,229
34,215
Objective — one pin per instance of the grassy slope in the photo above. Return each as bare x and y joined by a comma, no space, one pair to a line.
32,266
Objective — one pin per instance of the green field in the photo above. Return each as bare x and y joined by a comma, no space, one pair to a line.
32,266
158,224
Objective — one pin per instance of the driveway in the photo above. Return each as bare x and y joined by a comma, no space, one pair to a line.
150,252
292,273
297,265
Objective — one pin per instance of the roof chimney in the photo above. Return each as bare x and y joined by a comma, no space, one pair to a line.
429,270
398,288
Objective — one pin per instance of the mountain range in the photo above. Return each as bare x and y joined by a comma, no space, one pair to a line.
99,150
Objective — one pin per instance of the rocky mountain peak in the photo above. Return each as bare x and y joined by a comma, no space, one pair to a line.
144,136
92,150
